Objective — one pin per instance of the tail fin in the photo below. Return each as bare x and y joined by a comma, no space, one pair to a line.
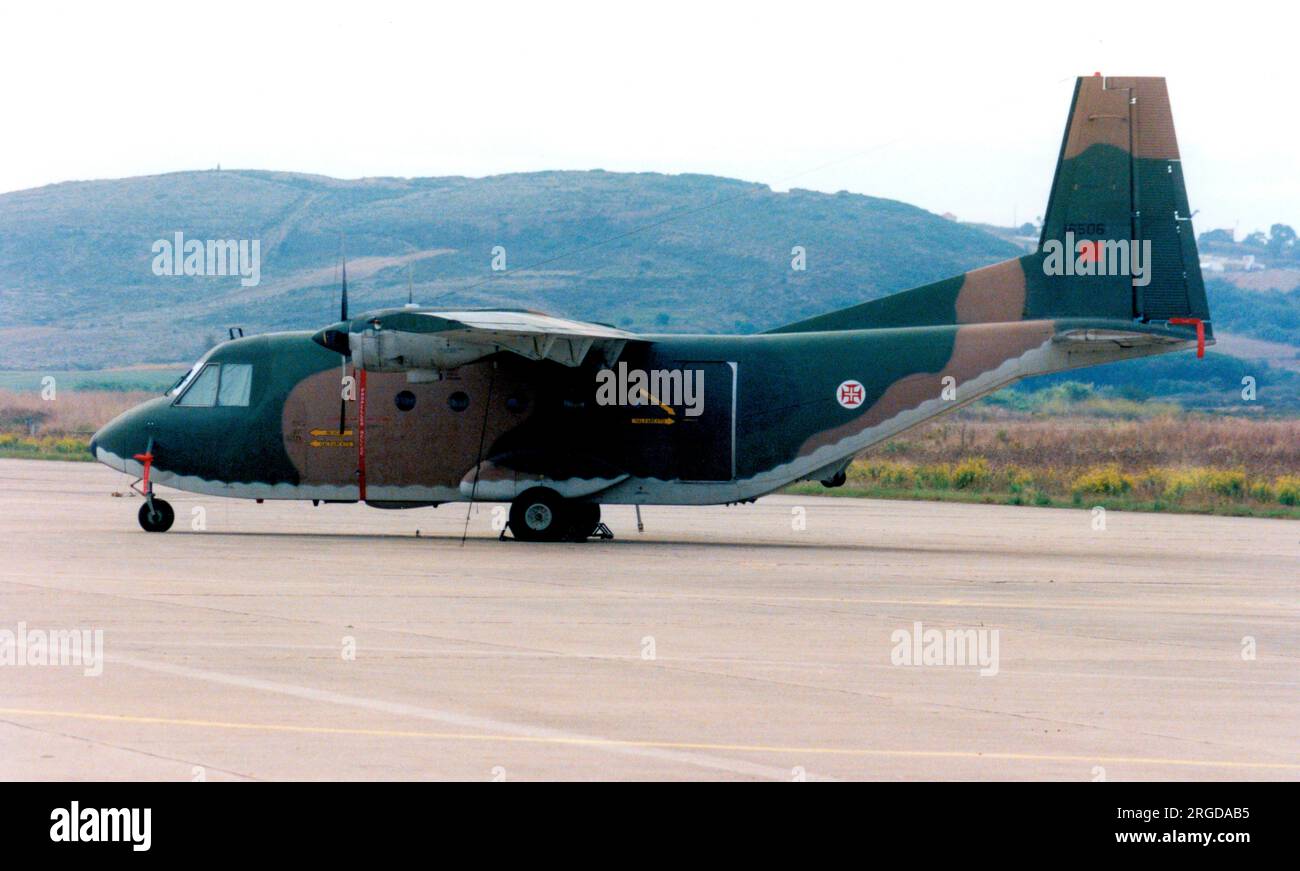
1120,178
1117,242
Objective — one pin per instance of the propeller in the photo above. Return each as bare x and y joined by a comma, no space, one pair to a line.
343,317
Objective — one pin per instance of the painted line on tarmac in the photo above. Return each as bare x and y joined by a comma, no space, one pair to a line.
612,743
501,730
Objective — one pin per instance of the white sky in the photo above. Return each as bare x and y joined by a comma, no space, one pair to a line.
954,108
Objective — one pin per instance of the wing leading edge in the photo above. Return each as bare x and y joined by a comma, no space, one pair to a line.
418,340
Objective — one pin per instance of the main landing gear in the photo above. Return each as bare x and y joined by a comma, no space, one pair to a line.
156,515
540,514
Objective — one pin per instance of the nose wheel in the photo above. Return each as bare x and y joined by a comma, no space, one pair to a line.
156,515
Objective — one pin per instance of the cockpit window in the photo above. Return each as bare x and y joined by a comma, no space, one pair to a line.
236,384
203,389
228,384
176,385
180,386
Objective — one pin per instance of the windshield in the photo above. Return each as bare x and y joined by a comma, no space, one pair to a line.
179,387
175,388
224,384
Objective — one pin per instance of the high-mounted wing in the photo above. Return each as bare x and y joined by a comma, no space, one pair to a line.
418,340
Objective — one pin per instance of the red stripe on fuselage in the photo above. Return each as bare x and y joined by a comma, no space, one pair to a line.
361,432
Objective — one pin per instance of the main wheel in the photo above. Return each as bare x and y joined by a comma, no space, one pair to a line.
160,519
836,480
540,515
584,520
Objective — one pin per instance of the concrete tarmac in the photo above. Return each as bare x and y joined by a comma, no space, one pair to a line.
282,641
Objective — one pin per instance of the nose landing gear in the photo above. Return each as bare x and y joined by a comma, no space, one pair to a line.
156,515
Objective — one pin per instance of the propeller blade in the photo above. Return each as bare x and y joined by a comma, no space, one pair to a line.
344,315
343,403
343,413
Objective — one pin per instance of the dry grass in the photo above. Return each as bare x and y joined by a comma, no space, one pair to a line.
70,413
1173,462
1073,443
59,428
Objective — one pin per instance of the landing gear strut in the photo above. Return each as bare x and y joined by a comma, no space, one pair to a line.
156,515
540,514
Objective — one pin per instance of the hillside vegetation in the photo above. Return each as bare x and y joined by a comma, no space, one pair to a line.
644,251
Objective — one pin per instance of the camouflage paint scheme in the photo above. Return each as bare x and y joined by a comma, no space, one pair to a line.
771,413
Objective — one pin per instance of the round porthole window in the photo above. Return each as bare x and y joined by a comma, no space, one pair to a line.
517,403
458,401
405,400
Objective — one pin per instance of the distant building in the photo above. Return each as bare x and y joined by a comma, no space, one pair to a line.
949,216
1221,263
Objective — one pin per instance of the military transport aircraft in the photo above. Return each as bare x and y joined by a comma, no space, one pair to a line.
558,416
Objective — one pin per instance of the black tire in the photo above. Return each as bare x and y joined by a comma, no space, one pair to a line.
585,519
540,515
836,480
160,519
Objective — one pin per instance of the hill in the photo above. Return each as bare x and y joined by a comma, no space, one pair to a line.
644,251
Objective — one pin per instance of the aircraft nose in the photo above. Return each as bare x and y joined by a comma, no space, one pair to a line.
118,440
108,437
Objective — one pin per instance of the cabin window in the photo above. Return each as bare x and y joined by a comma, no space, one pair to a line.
203,389
236,384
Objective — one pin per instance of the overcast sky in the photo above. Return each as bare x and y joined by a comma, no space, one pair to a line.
954,109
